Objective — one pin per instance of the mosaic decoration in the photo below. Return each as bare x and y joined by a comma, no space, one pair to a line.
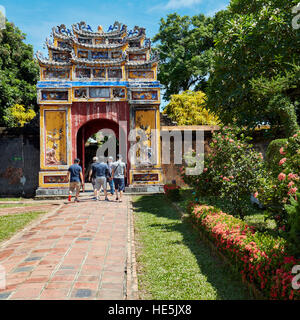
145,122
99,92
99,55
116,55
56,179
144,95
80,93
141,75
85,40
114,73
63,44
61,57
83,54
99,73
54,95
56,143
145,177
118,93
54,73
137,57
83,73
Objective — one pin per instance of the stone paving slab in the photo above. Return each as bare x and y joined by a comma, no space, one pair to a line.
78,253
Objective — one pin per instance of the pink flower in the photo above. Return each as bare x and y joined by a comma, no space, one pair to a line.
205,169
230,140
291,184
292,191
282,151
281,176
295,135
282,161
255,194
226,179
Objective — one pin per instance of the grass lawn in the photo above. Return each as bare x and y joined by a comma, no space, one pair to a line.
12,205
11,199
172,261
11,224
254,216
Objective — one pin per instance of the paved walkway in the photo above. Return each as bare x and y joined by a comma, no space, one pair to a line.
79,252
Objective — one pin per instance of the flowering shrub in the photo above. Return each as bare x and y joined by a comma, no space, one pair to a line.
172,191
284,181
260,258
232,170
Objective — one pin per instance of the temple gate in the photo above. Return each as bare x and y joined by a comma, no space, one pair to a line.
93,81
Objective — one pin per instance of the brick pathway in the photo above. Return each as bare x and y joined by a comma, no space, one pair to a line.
79,252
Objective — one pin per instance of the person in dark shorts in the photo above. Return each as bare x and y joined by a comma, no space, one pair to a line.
119,175
109,178
76,179
92,173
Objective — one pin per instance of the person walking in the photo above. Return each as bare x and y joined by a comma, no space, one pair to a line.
92,174
101,178
109,178
119,175
76,179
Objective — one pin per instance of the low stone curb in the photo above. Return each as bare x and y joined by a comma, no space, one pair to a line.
131,280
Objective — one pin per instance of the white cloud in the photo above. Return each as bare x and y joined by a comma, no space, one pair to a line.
176,4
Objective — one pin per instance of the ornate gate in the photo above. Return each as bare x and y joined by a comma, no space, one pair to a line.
109,77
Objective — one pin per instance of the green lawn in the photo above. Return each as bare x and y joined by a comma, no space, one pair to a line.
11,224
16,205
172,262
11,199
254,216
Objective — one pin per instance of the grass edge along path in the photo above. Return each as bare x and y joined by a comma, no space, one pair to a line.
172,262
12,224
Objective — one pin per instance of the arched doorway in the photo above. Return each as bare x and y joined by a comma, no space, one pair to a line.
89,129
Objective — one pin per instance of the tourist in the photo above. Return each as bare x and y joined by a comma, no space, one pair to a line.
92,173
119,175
101,178
109,178
76,179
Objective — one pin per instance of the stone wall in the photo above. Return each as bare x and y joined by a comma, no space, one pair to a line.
20,161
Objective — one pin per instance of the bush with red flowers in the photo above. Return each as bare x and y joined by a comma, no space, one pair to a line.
262,259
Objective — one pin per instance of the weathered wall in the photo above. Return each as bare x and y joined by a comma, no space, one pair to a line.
20,162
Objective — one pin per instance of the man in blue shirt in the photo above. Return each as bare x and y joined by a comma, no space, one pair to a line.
102,172
76,179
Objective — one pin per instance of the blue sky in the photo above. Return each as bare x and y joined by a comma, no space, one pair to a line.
37,17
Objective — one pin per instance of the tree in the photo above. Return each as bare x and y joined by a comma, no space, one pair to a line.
18,72
18,116
254,78
185,46
188,108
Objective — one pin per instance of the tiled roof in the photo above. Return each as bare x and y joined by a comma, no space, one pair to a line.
97,62
45,61
114,33
99,46
52,47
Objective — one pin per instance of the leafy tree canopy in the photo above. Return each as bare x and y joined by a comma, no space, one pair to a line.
18,116
188,108
18,72
255,76
185,45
